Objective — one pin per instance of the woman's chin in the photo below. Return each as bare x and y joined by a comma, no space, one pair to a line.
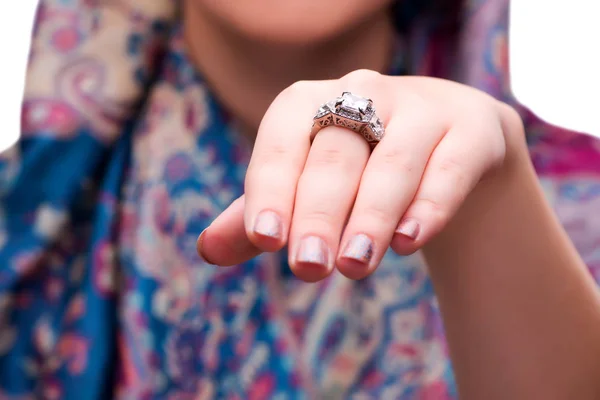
292,34
290,22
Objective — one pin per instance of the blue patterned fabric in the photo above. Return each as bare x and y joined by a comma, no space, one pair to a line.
125,157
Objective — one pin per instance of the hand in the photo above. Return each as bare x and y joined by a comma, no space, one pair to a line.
336,204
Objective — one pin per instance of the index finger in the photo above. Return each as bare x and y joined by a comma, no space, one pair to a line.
278,159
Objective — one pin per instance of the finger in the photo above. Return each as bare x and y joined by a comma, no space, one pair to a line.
279,155
326,192
225,242
457,164
387,187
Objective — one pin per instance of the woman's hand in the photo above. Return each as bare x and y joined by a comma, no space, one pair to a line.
336,204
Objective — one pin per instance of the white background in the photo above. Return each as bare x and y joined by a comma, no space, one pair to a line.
555,61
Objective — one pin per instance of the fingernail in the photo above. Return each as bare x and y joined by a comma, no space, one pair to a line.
409,228
360,249
199,247
268,224
313,250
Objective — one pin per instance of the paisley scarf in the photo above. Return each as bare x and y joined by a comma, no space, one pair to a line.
125,156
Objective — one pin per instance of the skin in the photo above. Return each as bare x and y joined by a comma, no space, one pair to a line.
252,52
522,313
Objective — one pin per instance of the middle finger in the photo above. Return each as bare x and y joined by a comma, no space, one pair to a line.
325,195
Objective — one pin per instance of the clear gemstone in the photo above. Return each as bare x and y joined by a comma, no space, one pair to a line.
377,127
326,109
354,103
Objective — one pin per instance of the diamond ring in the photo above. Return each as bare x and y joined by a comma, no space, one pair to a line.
352,112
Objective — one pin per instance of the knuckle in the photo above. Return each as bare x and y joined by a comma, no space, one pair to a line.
273,153
361,78
436,212
328,157
265,177
510,115
274,163
511,122
377,216
454,168
297,88
398,159
496,153
318,220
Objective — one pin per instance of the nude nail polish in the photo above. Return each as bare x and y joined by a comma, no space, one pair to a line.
360,249
268,223
200,247
313,250
409,228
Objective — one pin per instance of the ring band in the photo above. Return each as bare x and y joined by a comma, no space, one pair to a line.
352,112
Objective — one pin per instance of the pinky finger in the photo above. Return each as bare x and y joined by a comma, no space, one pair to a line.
455,167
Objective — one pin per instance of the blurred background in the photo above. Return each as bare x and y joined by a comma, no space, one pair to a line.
561,61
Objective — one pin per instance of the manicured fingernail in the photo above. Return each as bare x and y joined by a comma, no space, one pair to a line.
313,250
199,247
409,228
268,224
360,249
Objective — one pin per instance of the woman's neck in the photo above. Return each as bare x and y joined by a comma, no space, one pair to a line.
247,75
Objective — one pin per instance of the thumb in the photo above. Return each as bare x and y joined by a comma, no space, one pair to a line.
225,242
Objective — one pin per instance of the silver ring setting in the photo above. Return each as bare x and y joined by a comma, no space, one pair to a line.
353,112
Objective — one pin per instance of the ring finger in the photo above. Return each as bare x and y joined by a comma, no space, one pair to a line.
388,185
